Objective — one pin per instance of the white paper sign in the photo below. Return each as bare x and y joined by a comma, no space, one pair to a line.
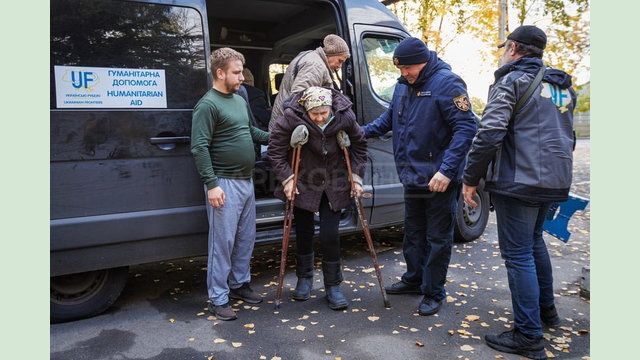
95,87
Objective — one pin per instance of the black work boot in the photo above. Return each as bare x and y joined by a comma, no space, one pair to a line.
304,272
515,342
549,315
332,278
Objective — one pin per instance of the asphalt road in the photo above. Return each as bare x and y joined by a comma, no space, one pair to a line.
161,313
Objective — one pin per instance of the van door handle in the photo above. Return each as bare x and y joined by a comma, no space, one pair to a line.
170,140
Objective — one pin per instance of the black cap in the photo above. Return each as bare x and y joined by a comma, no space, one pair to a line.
411,51
528,34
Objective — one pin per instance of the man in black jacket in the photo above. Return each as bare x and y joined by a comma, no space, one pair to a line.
530,152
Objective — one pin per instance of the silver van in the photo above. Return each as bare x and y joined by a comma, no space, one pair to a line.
125,76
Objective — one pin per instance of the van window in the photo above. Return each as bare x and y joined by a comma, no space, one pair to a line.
383,74
129,35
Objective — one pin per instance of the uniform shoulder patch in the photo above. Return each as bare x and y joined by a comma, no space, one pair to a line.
462,102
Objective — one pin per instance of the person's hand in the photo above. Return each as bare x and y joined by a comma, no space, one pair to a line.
468,192
356,190
288,189
216,197
439,182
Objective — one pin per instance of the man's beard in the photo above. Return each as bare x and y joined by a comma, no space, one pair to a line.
232,88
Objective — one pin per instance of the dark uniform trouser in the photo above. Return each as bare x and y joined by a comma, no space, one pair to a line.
428,237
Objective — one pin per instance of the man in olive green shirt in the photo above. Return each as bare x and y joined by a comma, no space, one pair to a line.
222,140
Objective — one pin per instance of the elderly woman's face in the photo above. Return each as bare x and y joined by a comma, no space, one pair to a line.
320,114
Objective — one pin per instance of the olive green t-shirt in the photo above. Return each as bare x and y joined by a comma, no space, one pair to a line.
222,138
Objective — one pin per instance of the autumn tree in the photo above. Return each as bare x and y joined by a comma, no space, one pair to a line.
440,22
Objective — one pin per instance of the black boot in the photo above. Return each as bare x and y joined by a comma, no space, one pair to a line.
332,278
304,271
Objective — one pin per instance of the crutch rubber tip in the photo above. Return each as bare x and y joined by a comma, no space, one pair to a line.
387,304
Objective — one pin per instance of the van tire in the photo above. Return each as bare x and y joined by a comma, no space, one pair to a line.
470,222
87,294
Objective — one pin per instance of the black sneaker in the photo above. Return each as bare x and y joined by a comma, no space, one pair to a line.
223,312
428,306
514,342
549,316
246,294
402,287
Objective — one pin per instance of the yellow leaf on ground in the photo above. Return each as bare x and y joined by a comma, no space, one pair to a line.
276,358
192,339
438,325
419,344
236,344
466,348
327,351
249,326
218,341
300,327
499,357
373,318
172,320
200,314
472,317
414,330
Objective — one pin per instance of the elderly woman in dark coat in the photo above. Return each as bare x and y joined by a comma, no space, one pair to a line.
323,181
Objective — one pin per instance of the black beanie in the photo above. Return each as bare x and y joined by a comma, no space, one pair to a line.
411,51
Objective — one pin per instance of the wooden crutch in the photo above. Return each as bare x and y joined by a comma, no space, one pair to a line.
345,143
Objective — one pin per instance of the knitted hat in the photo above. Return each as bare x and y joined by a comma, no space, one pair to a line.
411,51
529,35
248,76
334,46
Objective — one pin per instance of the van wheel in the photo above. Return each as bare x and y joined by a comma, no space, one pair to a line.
85,294
470,222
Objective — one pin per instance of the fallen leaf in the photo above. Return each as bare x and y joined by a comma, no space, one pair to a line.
413,330
419,344
499,357
276,358
200,314
472,317
218,341
466,348
327,351
192,339
373,318
300,327
236,344
249,326
172,320
395,332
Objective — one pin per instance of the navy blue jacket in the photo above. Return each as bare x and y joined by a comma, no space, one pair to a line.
430,132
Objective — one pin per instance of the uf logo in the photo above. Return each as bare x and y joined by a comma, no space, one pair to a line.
80,79
558,96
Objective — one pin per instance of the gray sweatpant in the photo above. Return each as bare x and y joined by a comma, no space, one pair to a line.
232,234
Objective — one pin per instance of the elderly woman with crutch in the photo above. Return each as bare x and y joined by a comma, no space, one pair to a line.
318,181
